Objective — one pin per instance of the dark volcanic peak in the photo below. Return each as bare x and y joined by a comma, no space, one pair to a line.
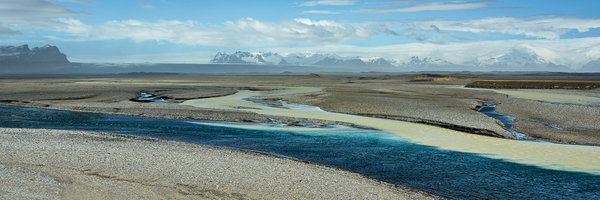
20,55
21,59
14,50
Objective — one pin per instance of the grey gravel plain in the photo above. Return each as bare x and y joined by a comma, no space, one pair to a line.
60,164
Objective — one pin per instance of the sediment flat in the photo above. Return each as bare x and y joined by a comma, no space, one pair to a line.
59,164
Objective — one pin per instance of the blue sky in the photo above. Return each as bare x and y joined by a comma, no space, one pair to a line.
193,31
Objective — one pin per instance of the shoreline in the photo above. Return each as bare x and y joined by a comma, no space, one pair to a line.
85,168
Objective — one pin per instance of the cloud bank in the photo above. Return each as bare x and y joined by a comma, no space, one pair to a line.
253,32
243,32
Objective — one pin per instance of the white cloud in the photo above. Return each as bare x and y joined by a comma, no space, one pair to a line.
252,32
32,14
330,3
301,30
243,32
328,12
435,6
547,27
71,25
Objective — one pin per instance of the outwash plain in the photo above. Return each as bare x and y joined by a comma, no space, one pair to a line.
433,99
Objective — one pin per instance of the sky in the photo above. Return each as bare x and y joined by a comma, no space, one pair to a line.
186,31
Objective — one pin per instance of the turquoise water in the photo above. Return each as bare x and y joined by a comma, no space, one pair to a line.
375,154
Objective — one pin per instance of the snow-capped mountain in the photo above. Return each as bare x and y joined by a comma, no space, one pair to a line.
427,61
240,57
302,59
518,58
416,63
514,57
378,61
308,59
592,66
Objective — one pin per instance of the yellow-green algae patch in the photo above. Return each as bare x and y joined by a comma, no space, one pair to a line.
547,155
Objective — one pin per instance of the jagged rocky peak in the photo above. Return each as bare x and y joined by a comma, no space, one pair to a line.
226,58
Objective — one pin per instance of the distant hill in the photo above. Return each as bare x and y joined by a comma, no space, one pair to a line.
18,59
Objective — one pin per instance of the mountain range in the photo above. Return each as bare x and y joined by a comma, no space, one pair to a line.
515,59
49,59
300,59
